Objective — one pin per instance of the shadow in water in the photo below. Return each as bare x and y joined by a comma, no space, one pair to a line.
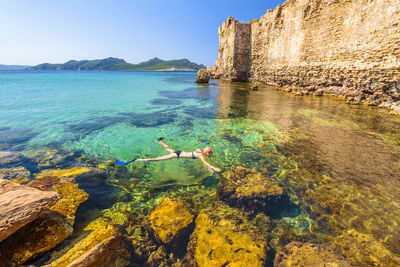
15,139
284,208
101,196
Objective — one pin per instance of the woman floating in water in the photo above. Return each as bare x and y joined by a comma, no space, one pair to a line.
176,154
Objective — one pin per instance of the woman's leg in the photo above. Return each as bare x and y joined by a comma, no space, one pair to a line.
166,147
166,157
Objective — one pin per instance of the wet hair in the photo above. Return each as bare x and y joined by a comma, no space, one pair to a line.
207,151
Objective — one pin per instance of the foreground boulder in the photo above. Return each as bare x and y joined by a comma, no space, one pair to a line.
20,205
203,76
169,221
49,229
224,237
103,246
307,254
250,190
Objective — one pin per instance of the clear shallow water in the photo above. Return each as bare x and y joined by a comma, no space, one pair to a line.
339,163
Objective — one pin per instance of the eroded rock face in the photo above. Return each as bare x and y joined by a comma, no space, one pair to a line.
305,46
203,76
20,205
250,190
224,237
53,226
104,246
308,254
169,221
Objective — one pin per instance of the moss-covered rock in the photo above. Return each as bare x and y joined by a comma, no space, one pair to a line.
103,246
18,175
363,249
169,221
223,237
250,190
308,254
142,244
62,173
37,237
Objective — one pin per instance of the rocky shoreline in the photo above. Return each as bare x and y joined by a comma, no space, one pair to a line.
39,216
318,47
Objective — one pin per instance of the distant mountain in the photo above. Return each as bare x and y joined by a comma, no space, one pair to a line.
13,67
120,64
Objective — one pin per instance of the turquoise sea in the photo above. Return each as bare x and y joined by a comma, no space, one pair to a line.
339,163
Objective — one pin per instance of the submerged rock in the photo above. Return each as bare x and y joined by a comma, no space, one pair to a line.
364,249
160,258
18,175
308,254
223,237
250,190
203,76
9,157
62,173
169,221
103,246
20,205
143,246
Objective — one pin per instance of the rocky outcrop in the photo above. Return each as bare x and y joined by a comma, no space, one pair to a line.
203,76
19,205
103,246
345,48
308,254
54,225
223,237
250,190
169,221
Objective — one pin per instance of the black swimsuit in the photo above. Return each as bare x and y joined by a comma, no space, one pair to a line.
178,153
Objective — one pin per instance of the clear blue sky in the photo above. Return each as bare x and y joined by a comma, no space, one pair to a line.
55,31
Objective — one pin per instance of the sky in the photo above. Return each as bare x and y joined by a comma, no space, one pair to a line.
55,31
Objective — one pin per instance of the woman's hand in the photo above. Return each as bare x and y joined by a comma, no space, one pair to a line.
217,169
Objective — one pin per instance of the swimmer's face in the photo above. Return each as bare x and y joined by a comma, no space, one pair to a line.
207,151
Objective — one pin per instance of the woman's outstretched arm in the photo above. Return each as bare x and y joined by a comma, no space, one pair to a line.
166,146
208,165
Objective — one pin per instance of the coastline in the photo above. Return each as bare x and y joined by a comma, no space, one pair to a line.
294,48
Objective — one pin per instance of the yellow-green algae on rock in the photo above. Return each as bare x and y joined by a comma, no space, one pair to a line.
169,220
61,173
308,254
224,237
103,246
363,249
336,208
249,189
18,175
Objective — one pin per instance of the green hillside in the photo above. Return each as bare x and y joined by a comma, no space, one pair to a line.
120,64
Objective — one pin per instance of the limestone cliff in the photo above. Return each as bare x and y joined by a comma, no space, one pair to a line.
349,48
